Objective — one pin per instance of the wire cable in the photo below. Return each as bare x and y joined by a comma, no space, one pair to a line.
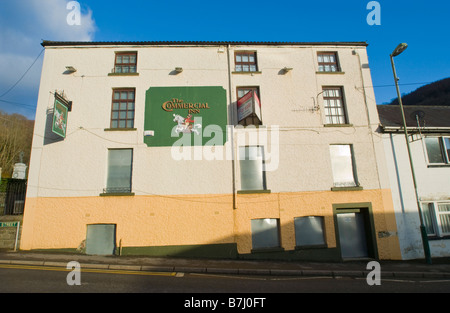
27,106
17,82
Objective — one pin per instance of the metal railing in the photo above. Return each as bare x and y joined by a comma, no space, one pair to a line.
117,190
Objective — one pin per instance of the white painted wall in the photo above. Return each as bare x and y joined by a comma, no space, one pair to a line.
433,184
77,166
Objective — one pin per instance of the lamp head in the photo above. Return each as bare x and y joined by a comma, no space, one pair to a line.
400,48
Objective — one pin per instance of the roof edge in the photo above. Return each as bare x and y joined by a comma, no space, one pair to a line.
49,43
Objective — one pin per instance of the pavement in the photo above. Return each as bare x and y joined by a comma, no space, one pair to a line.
440,269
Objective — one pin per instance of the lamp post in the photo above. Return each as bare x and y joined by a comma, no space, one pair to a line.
426,247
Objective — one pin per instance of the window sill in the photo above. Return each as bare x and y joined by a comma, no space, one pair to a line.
338,125
244,192
252,125
264,250
117,194
438,165
438,238
123,74
356,188
330,72
119,129
324,246
257,72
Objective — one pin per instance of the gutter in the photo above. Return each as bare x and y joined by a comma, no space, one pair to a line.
50,43
397,129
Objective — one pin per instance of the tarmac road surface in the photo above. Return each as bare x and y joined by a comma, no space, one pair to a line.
47,279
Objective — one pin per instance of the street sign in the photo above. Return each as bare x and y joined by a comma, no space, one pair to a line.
9,224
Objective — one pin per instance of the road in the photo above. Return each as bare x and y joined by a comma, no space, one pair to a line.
39,279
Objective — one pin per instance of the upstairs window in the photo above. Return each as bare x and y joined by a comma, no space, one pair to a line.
342,166
328,62
251,162
438,150
125,62
334,106
248,113
119,171
122,113
245,61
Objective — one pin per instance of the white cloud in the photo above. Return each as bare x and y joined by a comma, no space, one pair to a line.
23,26
51,15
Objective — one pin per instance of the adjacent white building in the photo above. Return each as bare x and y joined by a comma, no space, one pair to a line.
429,129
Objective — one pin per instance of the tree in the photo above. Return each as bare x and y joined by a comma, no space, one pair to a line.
16,134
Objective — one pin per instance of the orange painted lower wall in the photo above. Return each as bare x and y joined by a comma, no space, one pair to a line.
287,206
148,221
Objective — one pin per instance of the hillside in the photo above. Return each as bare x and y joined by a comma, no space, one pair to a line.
16,134
437,93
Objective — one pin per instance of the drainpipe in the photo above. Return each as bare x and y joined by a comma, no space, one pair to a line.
369,124
231,114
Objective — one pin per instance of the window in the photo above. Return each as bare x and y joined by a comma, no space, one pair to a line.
251,161
342,166
122,113
253,118
265,233
242,91
438,149
334,106
436,217
428,218
309,231
119,171
245,61
125,62
328,62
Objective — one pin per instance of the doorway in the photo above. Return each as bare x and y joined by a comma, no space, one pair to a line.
354,233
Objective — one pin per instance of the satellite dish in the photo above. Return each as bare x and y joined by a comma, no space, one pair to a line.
419,113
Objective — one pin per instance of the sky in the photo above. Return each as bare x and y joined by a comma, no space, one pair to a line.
423,25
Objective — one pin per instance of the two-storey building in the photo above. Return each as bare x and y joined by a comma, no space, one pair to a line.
429,140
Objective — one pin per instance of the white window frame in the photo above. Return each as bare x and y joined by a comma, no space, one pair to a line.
444,148
436,217
334,105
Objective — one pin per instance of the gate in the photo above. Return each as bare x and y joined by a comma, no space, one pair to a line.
12,196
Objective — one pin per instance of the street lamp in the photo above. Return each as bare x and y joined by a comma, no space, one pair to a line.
426,247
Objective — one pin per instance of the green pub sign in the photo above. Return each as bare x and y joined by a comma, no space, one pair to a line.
200,113
59,124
